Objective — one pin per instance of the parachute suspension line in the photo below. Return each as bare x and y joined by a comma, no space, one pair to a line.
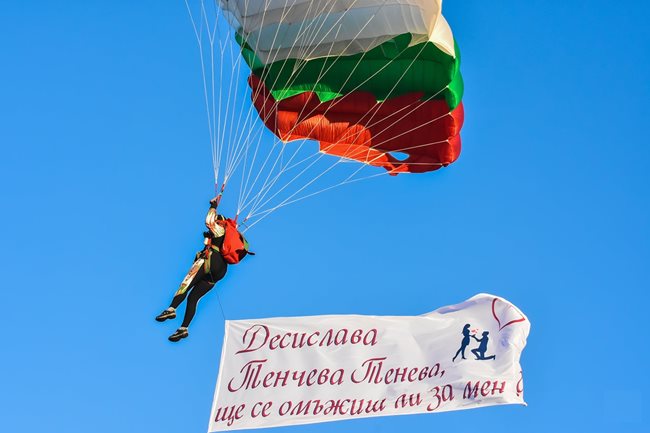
216,118
219,192
251,214
288,199
223,314
241,146
234,162
211,30
260,196
278,160
229,100
229,145
263,214
241,182
198,32
235,70
246,146
346,181
259,172
216,106
257,204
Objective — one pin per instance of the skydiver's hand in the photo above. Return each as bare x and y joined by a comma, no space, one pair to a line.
214,202
208,234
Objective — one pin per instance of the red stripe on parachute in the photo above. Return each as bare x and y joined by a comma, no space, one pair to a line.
356,126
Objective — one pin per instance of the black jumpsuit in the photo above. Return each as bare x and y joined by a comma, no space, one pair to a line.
204,281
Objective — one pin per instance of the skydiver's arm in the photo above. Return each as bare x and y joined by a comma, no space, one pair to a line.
211,217
211,220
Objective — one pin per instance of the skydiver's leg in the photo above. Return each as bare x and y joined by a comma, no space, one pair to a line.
198,291
201,287
218,268
181,293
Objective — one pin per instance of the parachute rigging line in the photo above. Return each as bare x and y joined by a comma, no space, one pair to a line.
263,184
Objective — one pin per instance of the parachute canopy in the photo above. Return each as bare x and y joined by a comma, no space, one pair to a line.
375,81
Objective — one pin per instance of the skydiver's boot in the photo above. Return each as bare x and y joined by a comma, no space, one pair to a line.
169,313
179,334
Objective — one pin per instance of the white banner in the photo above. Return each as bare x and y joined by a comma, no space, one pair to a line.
300,370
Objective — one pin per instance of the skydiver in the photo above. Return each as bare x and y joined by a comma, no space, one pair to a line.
208,268
479,352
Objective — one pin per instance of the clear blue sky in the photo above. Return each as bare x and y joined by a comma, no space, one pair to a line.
105,174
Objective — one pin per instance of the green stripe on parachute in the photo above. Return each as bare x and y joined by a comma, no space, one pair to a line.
388,70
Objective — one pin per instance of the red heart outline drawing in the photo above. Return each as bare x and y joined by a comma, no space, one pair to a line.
494,313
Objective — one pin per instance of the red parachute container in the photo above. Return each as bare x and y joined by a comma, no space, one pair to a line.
235,246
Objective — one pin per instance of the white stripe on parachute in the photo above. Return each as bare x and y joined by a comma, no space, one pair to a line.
303,29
